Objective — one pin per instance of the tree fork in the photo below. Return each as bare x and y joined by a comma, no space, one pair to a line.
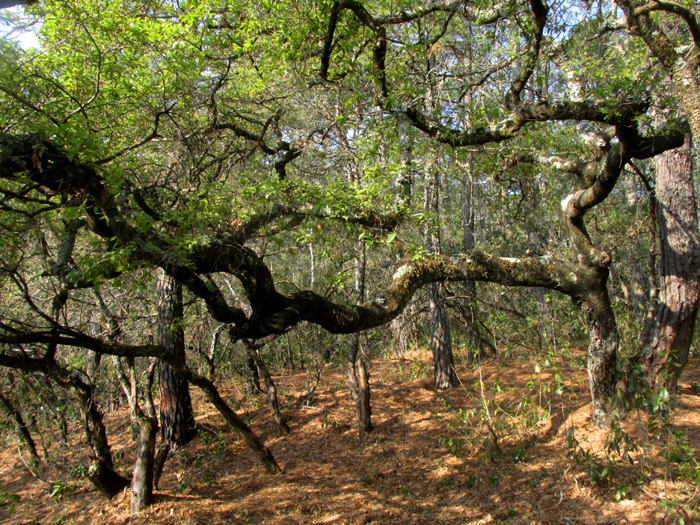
270,387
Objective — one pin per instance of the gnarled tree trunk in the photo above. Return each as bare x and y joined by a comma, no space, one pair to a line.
101,472
603,343
142,481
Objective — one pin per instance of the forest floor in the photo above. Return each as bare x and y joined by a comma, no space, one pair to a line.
430,459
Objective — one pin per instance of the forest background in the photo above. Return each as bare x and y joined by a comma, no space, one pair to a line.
193,192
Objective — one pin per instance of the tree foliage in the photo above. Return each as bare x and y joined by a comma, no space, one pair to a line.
243,148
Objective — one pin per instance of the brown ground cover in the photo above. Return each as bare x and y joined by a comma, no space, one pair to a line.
431,459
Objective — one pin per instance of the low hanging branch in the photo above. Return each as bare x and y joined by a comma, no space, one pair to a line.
22,361
273,312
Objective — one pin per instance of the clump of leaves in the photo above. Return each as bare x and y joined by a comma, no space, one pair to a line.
59,489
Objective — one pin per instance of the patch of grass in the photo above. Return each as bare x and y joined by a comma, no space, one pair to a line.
409,371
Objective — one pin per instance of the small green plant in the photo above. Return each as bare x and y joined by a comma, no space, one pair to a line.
470,481
658,437
598,469
621,493
453,445
9,500
409,371
494,479
79,471
368,478
60,489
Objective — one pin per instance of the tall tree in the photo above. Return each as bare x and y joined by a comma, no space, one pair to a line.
220,157
671,32
444,375
176,415
668,332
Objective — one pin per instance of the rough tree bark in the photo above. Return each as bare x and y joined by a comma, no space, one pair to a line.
144,473
176,416
668,333
358,356
603,343
142,481
101,472
440,336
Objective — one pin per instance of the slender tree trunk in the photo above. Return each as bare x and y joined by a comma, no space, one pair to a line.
252,440
252,373
440,337
358,357
211,354
146,422
668,333
468,288
290,355
313,331
271,389
21,427
162,452
101,473
177,419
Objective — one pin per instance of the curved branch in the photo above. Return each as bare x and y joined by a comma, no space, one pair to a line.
375,24
577,204
145,140
539,12
69,337
569,278
509,127
682,11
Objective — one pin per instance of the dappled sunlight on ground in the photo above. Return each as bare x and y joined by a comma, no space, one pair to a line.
430,459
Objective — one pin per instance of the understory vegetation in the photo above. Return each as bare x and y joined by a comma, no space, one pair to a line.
510,443
297,214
